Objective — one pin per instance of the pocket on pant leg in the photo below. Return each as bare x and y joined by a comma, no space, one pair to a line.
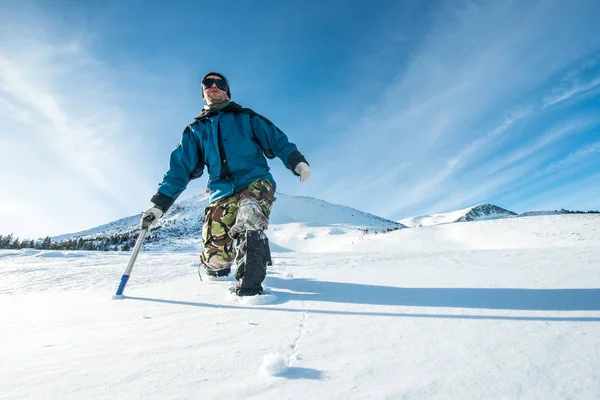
218,249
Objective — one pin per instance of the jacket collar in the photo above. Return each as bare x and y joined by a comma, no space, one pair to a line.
207,113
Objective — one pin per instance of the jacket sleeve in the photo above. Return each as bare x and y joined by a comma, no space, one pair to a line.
272,140
186,163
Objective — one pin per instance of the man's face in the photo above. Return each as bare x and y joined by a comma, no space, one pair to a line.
212,94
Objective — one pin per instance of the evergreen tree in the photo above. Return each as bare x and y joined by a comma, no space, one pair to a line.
6,241
46,243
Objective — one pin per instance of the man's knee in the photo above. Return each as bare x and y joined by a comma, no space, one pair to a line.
250,217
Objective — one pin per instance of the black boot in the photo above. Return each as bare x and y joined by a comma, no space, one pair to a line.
253,256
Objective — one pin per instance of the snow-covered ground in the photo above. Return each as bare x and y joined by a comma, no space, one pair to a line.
493,309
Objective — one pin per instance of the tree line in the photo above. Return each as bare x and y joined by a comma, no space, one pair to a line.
116,242
580,212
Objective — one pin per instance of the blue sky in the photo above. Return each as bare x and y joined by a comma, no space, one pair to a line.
402,108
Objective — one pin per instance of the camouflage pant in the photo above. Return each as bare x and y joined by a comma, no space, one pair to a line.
226,218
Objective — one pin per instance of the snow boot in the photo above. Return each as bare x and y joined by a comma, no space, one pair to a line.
252,260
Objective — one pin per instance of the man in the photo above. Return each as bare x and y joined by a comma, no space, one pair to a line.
232,143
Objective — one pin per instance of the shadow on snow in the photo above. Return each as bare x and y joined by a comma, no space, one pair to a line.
301,373
299,289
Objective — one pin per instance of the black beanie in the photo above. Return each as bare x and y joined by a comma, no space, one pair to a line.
220,76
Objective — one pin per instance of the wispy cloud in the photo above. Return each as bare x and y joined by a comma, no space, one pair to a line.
76,137
515,171
61,118
579,81
540,141
575,156
579,89
474,90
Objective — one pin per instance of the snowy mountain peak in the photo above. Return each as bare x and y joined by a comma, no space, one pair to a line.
307,217
486,212
478,212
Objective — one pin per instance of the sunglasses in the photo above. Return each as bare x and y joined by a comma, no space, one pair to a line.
208,82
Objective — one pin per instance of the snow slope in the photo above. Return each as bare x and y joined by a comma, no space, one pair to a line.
543,212
480,212
497,309
180,228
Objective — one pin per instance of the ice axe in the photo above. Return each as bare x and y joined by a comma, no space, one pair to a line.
134,254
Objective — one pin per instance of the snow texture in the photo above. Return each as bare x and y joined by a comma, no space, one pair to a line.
506,308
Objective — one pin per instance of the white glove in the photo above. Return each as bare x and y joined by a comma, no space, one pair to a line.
303,170
150,217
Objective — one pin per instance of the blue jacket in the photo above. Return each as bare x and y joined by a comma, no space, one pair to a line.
232,143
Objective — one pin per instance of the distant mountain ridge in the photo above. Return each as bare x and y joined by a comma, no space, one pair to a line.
185,218
484,212
292,218
480,212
